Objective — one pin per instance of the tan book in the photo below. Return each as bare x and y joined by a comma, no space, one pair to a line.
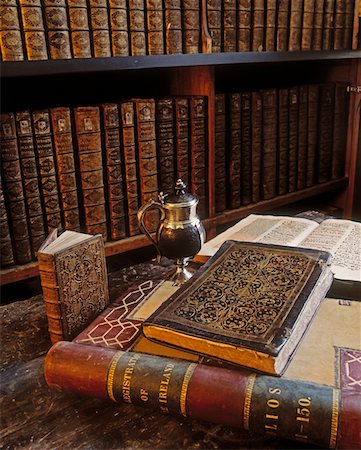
244,25
317,25
57,29
11,44
119,33
282,27
294,42
33,29
79,28
270,30
258,28
173,27
138,42
229,29
99,24
191,26
307,24
214,18
155,20
74,282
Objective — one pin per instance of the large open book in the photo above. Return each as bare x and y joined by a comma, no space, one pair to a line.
342,238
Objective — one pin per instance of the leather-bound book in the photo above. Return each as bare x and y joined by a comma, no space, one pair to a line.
127,115
302,138
13,189
317,25
214,18
182,138
229,29
256,140
307,24
269,144
325,132
258,28
119,33
33,29
270,29
339,131
136,11
243,25
79,28
66,169
113,171
57,29
74,281
227,310
282,155
89,150
328,25
312,133
220,152
292,138
45,155
246,146
173,27
165,144
11,44
155,32
339,24
234,152
6,249
294,42
348,26
283,25
191,26
30,177
99,28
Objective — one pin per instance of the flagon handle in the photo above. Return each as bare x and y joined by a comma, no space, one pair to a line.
151,204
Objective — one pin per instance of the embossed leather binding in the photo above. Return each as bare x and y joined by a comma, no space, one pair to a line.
283,25
234,151
312,133
136,13
33,29
317,25
328,25
57,28
256,111
307,24
270,29
220,154
258,28
348,26
244,25
292,138
251,304
302,138
99,27
74,281
165,144
229,29
294,42
181,106
154,27
246,163
173,27
282,154
269,144
10,34
214,18
79,28
191,26
118,20
6,249
339,131
326,108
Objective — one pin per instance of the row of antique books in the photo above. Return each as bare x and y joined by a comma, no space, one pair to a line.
64,29
90,168
278,141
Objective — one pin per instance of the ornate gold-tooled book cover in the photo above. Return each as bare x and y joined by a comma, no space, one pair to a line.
250,304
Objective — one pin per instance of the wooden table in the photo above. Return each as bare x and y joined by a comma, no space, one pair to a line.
34,417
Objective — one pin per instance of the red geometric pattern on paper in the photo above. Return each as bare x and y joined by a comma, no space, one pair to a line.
350,369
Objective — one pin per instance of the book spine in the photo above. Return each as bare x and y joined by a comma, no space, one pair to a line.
307,24
114,171
173,27
339,131
47,169
246,162
282,156
57,29
294,42
33,29
254,403
6,249
282,27
154,27
339,24
269,133
271,20
13,189
229,30
30,178
220,156
292,138
234,152
64,152
326,109
256,140
191,26
243,25
165,144
312,131
317,25
182,138
348,28
138,44
328,25
302,138
258,28
198,150
10,33
130,165
214,18
87,126
79,28
119,33
99,28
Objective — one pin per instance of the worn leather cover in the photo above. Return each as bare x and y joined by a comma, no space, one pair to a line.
282,156
79,28
269,143
246,162
339,131
99,27
220,154
118,22
33,29
57,29
10,34
154,26
312,133
165,127
234,151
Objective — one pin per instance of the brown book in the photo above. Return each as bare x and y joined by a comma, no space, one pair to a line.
234,152
292,138
79,28
191,26
294,42
339,131
227,309
119,33
173,27
269,144
130,164
6,249
71,304
13,189
339,24
348,26
282,155
214,18
88,137
11,44
325,132
154,27
66,170
182,138
47,169
302,138
220,152
307,24
138,45
246,146
165,144
256,140
33,29
283,25
270,29
229,29
317,25
243,25
30,177
99,28
328,25
258,28
57,29
114,171
312,132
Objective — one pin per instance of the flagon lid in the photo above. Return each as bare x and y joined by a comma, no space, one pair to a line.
180,199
